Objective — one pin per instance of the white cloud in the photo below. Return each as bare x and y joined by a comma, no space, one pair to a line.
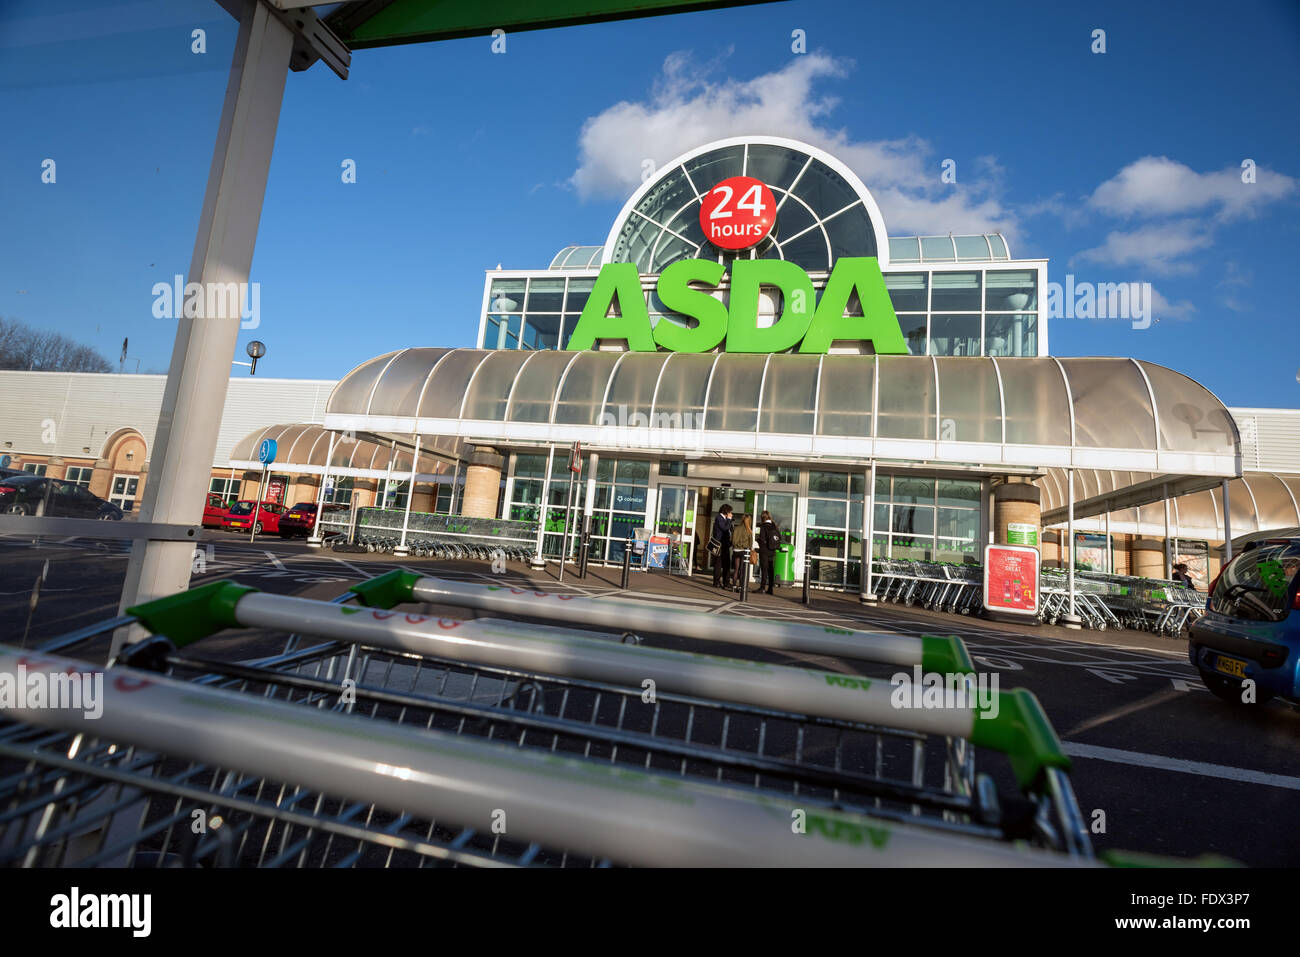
686,109
1162,308
1159,186
1158,248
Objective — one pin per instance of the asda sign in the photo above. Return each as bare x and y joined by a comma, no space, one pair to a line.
804,322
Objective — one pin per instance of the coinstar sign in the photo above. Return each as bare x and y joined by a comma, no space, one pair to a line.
616,311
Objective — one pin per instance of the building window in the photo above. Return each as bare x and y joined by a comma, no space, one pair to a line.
339,491
619,505
227,488
672,469
395,493
80,475
782,475
33,468
927,519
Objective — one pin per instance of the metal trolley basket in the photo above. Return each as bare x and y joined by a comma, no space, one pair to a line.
367,737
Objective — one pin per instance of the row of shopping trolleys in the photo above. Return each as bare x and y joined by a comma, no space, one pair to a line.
417,721
1104,601
937,586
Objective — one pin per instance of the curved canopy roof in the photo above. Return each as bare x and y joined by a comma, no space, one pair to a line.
577,257
303,449
1257,502
1097,413
823,209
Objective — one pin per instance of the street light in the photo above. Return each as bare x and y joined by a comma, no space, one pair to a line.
255,349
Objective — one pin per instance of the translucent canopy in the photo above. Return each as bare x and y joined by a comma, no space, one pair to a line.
306,450
577,257
1257,502
986,247
823,211
1107,414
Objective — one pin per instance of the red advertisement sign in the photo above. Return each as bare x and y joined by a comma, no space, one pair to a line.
738,213
275,489
1011,579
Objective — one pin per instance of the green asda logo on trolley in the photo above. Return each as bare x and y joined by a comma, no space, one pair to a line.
738,214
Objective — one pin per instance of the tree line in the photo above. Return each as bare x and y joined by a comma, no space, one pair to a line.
25,347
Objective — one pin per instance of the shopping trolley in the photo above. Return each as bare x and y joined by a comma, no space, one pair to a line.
373,737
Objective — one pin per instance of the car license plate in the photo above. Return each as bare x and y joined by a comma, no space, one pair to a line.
1230,666
236,524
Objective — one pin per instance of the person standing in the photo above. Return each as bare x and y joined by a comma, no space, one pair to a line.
721,541
742,543
1182,576
768,540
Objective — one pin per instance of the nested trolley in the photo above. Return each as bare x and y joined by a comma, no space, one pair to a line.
357,735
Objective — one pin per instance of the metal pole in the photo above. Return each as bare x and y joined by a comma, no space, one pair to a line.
401,548
807,574
627,563
257,506
593,460
568,520
1227,528
539,560
199,374
315,538
743,574
388,479
1110,552
867,594
1071,618
1169,557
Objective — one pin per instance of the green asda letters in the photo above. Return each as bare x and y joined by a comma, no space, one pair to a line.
812,326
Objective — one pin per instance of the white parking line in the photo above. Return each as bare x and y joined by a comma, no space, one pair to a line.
1162,763
274,561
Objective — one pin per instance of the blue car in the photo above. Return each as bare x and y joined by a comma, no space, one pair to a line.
1251,628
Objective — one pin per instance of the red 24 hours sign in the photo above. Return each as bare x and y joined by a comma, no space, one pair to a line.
738,213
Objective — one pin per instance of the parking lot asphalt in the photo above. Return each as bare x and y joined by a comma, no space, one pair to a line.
1160,765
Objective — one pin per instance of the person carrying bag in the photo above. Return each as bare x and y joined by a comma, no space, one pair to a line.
720,548
742,543
768,540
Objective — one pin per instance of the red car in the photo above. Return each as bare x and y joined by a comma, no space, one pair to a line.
214,510
239,517
301,519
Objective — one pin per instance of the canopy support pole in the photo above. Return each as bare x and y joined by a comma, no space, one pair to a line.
1169,568
1070,619
1110,550
1227,528
199,375
315,538
401,548
867,594
539,561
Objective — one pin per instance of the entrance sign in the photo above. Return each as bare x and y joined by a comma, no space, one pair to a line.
1011,579
738,213
811,325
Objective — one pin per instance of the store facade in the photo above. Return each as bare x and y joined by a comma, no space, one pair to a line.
749,334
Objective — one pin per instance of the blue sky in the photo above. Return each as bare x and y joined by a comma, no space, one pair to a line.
1122,166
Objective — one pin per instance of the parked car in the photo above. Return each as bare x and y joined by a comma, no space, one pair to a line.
27,494
301,519
214,510
240,516
1251,627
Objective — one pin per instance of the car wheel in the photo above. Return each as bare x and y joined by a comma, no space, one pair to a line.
1229,689
257,529
18,510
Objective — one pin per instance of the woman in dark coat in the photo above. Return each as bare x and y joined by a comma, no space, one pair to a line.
722,560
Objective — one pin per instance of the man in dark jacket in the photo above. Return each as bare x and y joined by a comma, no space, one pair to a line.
722,560
767,539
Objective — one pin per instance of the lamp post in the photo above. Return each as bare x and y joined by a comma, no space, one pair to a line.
255,349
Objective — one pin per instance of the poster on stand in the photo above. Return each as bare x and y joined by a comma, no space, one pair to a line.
1011,579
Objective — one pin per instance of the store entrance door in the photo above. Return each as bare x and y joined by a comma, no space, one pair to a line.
677,506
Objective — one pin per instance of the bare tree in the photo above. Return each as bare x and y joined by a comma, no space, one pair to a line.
23,347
